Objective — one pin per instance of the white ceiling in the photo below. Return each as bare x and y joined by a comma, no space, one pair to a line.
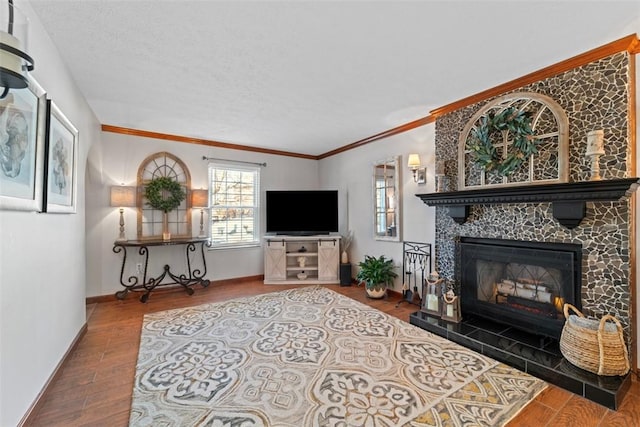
309,76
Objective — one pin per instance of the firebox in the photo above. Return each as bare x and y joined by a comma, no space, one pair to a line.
519,283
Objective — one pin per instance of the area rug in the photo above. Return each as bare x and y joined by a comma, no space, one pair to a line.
313,357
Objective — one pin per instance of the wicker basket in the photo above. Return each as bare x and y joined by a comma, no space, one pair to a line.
595,346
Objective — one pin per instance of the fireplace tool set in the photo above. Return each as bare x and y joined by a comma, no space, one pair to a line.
416,265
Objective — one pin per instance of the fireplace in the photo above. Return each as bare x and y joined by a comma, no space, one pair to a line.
518,283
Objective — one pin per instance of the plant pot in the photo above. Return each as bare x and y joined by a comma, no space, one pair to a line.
377,292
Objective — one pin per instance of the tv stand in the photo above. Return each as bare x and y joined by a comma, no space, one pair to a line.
303,260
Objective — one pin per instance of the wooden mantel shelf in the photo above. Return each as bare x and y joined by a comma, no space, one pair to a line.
568,199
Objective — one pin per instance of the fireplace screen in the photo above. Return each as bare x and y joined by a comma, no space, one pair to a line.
524,284
525,287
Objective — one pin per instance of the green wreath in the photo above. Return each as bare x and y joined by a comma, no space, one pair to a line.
154,194
518,124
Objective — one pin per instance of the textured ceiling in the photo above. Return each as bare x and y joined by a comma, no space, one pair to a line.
309,77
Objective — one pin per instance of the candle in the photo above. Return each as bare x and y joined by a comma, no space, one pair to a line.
449,310
432,302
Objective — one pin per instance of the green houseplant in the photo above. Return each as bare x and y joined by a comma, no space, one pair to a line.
376,274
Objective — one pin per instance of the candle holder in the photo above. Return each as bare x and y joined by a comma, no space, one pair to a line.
442,181
595,149
451,307
432,293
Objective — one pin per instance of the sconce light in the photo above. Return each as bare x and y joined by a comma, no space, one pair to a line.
14,62
200,199
419,174
123,197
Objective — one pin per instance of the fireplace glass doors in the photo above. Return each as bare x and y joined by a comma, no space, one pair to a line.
522,284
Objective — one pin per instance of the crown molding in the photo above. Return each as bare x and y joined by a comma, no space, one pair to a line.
386,134
208,142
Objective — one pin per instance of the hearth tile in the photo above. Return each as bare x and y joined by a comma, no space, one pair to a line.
536,355
485,324
462,328
427,323
602,382
532,340
553,347
452,327
603,397
466,342
489,338
557,378
505,357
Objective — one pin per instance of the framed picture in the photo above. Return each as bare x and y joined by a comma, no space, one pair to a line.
22,129
61,162
422,176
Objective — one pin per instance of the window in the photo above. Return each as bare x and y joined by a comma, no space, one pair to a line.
234,210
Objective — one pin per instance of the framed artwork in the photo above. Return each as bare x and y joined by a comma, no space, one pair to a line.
22,128
422,176
61,162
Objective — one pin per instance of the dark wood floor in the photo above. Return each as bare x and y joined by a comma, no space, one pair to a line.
95,384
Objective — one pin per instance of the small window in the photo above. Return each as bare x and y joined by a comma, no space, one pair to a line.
235,201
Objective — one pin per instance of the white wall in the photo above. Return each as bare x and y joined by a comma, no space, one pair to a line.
42,256
116,161
351,173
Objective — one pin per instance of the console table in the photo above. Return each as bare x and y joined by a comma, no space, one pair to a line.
191,277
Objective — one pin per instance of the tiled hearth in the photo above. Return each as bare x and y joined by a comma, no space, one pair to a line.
536,355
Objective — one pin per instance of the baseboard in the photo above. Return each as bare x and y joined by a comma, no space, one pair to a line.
112,297
26,421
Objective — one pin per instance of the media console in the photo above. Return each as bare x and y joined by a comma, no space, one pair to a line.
301,260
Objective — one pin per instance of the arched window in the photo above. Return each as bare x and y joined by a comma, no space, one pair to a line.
149,219
550,127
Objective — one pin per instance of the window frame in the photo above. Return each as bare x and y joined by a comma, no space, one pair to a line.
231,167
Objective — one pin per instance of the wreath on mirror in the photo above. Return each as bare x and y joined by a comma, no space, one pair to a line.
492,127
156,190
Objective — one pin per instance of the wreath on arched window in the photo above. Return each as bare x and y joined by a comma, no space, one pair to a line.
491,128
164,194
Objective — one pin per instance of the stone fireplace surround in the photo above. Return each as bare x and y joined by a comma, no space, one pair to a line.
594,96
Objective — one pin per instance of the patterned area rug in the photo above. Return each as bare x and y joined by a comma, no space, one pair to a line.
312,357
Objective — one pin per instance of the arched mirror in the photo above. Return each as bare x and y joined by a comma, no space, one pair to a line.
386,199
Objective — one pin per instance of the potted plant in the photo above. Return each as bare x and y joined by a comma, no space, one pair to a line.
376,274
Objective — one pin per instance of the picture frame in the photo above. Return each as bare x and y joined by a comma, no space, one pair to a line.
22,135
422,176
61,162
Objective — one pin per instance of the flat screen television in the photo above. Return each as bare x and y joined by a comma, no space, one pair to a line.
302,213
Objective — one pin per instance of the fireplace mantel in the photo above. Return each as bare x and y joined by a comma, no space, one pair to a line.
568,199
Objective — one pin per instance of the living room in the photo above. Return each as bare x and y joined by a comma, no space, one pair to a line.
74,255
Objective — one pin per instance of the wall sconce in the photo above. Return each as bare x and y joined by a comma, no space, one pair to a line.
123,197
14,62
419,173
200,199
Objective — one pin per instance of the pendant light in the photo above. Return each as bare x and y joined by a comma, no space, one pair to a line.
14,62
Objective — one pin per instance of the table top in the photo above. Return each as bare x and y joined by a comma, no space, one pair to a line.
161,242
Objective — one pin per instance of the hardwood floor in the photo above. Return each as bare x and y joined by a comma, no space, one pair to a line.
95,383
